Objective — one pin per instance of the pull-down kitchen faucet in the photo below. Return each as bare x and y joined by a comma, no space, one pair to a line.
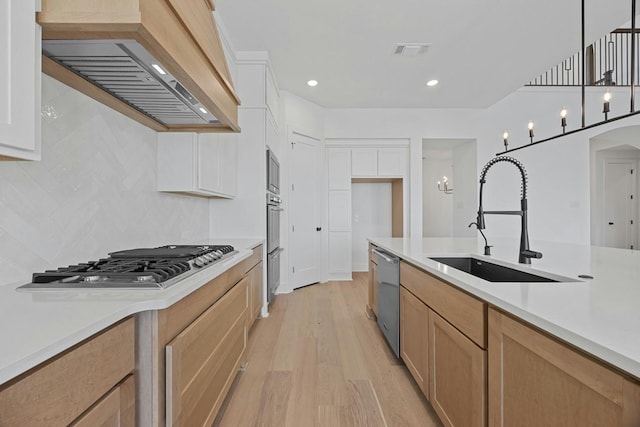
525,254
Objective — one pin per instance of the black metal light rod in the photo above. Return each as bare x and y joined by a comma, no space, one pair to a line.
633,55
584,65
570,132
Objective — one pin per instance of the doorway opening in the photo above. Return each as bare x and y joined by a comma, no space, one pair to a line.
615,156
447,213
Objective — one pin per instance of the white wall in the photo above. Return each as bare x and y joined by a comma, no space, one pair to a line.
93,192
437,207
465,195
370,217
601,151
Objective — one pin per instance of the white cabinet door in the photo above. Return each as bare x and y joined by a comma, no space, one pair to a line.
339,168
208,162
19,80
340,210
272,98
364,162
340,253
392,161
228,158
201,164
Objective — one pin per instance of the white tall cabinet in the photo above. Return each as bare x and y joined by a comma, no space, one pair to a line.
20,50
357,161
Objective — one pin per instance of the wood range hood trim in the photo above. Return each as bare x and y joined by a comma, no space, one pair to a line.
192,53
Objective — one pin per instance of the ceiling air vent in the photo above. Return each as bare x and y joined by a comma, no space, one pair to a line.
411,49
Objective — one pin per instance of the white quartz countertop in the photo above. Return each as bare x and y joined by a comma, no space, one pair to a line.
600,316
37,325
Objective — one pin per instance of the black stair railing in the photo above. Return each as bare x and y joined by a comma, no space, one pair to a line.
607,64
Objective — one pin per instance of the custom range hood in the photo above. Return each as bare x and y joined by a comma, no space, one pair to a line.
159,62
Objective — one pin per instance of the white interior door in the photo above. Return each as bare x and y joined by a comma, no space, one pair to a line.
304,215
619,203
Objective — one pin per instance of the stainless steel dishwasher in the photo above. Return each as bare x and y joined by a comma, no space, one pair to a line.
388,280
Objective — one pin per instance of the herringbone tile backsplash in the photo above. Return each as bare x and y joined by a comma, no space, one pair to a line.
93,192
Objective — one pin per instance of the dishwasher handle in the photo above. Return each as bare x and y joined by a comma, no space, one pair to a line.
385,257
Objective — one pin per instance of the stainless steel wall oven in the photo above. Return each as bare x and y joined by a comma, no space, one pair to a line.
273,225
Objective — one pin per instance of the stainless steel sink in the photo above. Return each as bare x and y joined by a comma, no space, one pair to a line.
489,271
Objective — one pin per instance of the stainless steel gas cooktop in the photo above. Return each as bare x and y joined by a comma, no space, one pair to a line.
143,268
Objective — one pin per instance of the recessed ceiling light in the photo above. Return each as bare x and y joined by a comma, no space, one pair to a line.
203,110
312,83
432,82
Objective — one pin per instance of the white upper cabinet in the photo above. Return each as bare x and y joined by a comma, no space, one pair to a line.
19,80
378,162
364,162
200,164
272,98
339,168
392,162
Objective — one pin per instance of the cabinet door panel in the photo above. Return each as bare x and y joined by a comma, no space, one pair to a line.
208,162
535,380
227,163
113,410
339,168
457,375
364,162
339,210
19,80
414,338
202,359
392,161
340,252
373,287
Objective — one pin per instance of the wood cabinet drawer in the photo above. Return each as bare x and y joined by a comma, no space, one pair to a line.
181,314
466,313
117,408
61,389
202,360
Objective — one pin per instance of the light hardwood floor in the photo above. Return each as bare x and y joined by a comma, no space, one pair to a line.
317,360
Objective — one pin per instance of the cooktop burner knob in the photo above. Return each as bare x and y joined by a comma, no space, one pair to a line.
219,253
199,262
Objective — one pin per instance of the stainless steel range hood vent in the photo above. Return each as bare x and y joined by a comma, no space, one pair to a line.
127,71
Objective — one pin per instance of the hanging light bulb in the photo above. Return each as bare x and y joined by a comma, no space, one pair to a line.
530,126
505,139
563,119
605,106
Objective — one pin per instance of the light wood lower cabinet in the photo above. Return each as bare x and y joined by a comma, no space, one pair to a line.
373,287
255,293
534,380
442,341
116,409
414,338
83,385
203,359
457,373
189,353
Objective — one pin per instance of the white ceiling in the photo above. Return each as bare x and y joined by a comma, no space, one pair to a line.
481,50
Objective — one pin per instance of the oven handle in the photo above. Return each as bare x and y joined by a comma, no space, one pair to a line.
275,253
275,208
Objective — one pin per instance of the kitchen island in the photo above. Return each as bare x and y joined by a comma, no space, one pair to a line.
528,351
59,328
